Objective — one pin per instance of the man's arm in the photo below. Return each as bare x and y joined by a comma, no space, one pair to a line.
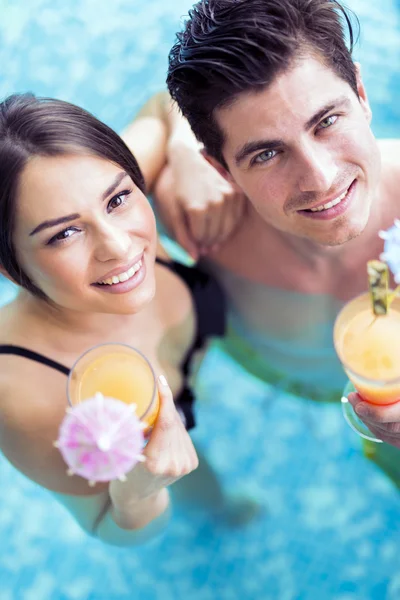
197,204
147,137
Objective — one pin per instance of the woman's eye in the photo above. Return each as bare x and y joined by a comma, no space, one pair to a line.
265,156
62,235
328,122
117,200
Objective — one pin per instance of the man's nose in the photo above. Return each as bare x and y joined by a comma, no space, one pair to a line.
318,170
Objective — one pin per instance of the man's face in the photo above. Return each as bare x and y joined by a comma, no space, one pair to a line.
301,144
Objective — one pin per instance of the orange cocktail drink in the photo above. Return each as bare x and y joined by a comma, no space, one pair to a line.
368,346
117,371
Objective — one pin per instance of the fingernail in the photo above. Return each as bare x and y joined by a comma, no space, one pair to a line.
163,380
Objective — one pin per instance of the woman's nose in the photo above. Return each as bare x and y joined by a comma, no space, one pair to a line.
113,243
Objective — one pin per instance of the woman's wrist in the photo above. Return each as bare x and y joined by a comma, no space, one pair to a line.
136,514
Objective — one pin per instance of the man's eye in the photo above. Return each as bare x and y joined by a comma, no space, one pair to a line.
264,157
328,122
117,200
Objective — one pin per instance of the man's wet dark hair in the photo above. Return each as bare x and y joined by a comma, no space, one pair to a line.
232,46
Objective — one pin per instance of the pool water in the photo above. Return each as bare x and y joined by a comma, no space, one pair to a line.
329,524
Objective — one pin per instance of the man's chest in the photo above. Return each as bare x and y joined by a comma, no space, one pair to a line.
273,262
273,268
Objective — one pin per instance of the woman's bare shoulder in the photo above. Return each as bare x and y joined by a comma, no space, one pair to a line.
32,406
7,321
175,304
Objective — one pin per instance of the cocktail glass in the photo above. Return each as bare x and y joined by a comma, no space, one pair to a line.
116,371
368,346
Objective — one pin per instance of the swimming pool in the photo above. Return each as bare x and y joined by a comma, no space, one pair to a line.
330,525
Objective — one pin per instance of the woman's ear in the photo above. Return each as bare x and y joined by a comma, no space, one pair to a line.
6,275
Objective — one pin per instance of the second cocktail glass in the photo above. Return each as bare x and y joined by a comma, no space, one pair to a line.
368,346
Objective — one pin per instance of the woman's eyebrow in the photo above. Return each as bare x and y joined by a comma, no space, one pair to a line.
120,177
53,222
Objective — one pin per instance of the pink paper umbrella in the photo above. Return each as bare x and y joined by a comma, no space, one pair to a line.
101,439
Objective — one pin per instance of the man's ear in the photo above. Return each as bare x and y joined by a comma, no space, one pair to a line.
362,93
220,168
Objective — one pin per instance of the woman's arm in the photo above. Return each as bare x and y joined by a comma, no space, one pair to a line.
120,513
94,515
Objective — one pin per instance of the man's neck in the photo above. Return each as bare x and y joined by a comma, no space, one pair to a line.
314,254
262,254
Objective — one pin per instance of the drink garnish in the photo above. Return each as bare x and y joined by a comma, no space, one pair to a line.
378,281
101,439
391,255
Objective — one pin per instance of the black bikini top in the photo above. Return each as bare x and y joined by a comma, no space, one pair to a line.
210,311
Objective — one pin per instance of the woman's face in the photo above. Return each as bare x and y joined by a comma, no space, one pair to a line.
85,234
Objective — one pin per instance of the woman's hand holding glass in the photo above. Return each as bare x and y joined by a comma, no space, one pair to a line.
169,454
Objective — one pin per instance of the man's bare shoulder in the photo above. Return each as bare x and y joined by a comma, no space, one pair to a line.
390,151
390,174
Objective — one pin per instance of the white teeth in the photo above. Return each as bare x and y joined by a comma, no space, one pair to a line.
330,204
123,276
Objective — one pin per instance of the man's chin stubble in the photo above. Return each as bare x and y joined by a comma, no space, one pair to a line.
335,242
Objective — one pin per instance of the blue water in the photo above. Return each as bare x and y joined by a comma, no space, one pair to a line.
330,525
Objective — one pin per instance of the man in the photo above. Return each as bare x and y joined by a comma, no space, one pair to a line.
269,87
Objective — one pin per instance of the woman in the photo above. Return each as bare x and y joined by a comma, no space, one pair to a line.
78,237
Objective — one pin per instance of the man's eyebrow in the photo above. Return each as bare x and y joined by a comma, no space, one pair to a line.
342,102
251,147
53,222
267,145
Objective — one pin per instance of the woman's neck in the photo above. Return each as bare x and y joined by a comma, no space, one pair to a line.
74,330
